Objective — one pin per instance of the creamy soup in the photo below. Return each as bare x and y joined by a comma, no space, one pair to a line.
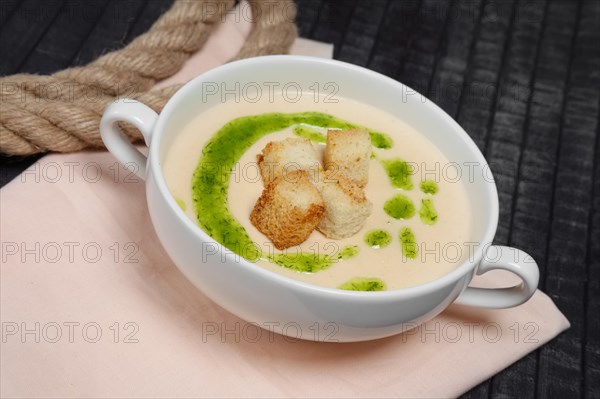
418,231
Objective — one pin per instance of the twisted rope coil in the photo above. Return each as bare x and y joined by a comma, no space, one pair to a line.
56,113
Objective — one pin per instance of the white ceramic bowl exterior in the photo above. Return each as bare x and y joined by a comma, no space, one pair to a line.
287,306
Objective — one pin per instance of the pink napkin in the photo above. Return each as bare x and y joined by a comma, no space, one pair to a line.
91,306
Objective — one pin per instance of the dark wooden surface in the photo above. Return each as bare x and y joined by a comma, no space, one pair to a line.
521,76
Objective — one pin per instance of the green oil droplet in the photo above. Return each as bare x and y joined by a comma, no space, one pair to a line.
409,244
378,239
349,251
301,262
428,213
429,187
399,207
399,172
381,140
363,284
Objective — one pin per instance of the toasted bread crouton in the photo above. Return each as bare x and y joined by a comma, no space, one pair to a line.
288,210
346,206
348,152
281,157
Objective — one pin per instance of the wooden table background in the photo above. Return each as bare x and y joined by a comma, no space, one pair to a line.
521,76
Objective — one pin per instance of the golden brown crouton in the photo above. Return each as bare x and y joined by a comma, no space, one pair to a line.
281,157
288,209
346,206
348,152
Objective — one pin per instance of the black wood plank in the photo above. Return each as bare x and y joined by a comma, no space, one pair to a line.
559,371
307,15
21,33
480,391
480,88
591,343
151,12
517,380
13,166
457,45
334,18
396,29
584,77
362,32
541,157
7,9
425,47
64,38
111,30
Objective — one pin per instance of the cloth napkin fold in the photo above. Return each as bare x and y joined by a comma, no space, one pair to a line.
91,305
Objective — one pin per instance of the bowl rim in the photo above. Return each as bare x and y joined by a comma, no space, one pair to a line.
466,267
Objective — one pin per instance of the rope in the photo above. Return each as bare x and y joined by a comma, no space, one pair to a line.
61,112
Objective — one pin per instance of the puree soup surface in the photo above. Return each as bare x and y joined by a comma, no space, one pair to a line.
370,253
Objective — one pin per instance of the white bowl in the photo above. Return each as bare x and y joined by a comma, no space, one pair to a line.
291,307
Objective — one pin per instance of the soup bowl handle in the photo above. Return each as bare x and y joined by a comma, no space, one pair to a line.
512,260
139,115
